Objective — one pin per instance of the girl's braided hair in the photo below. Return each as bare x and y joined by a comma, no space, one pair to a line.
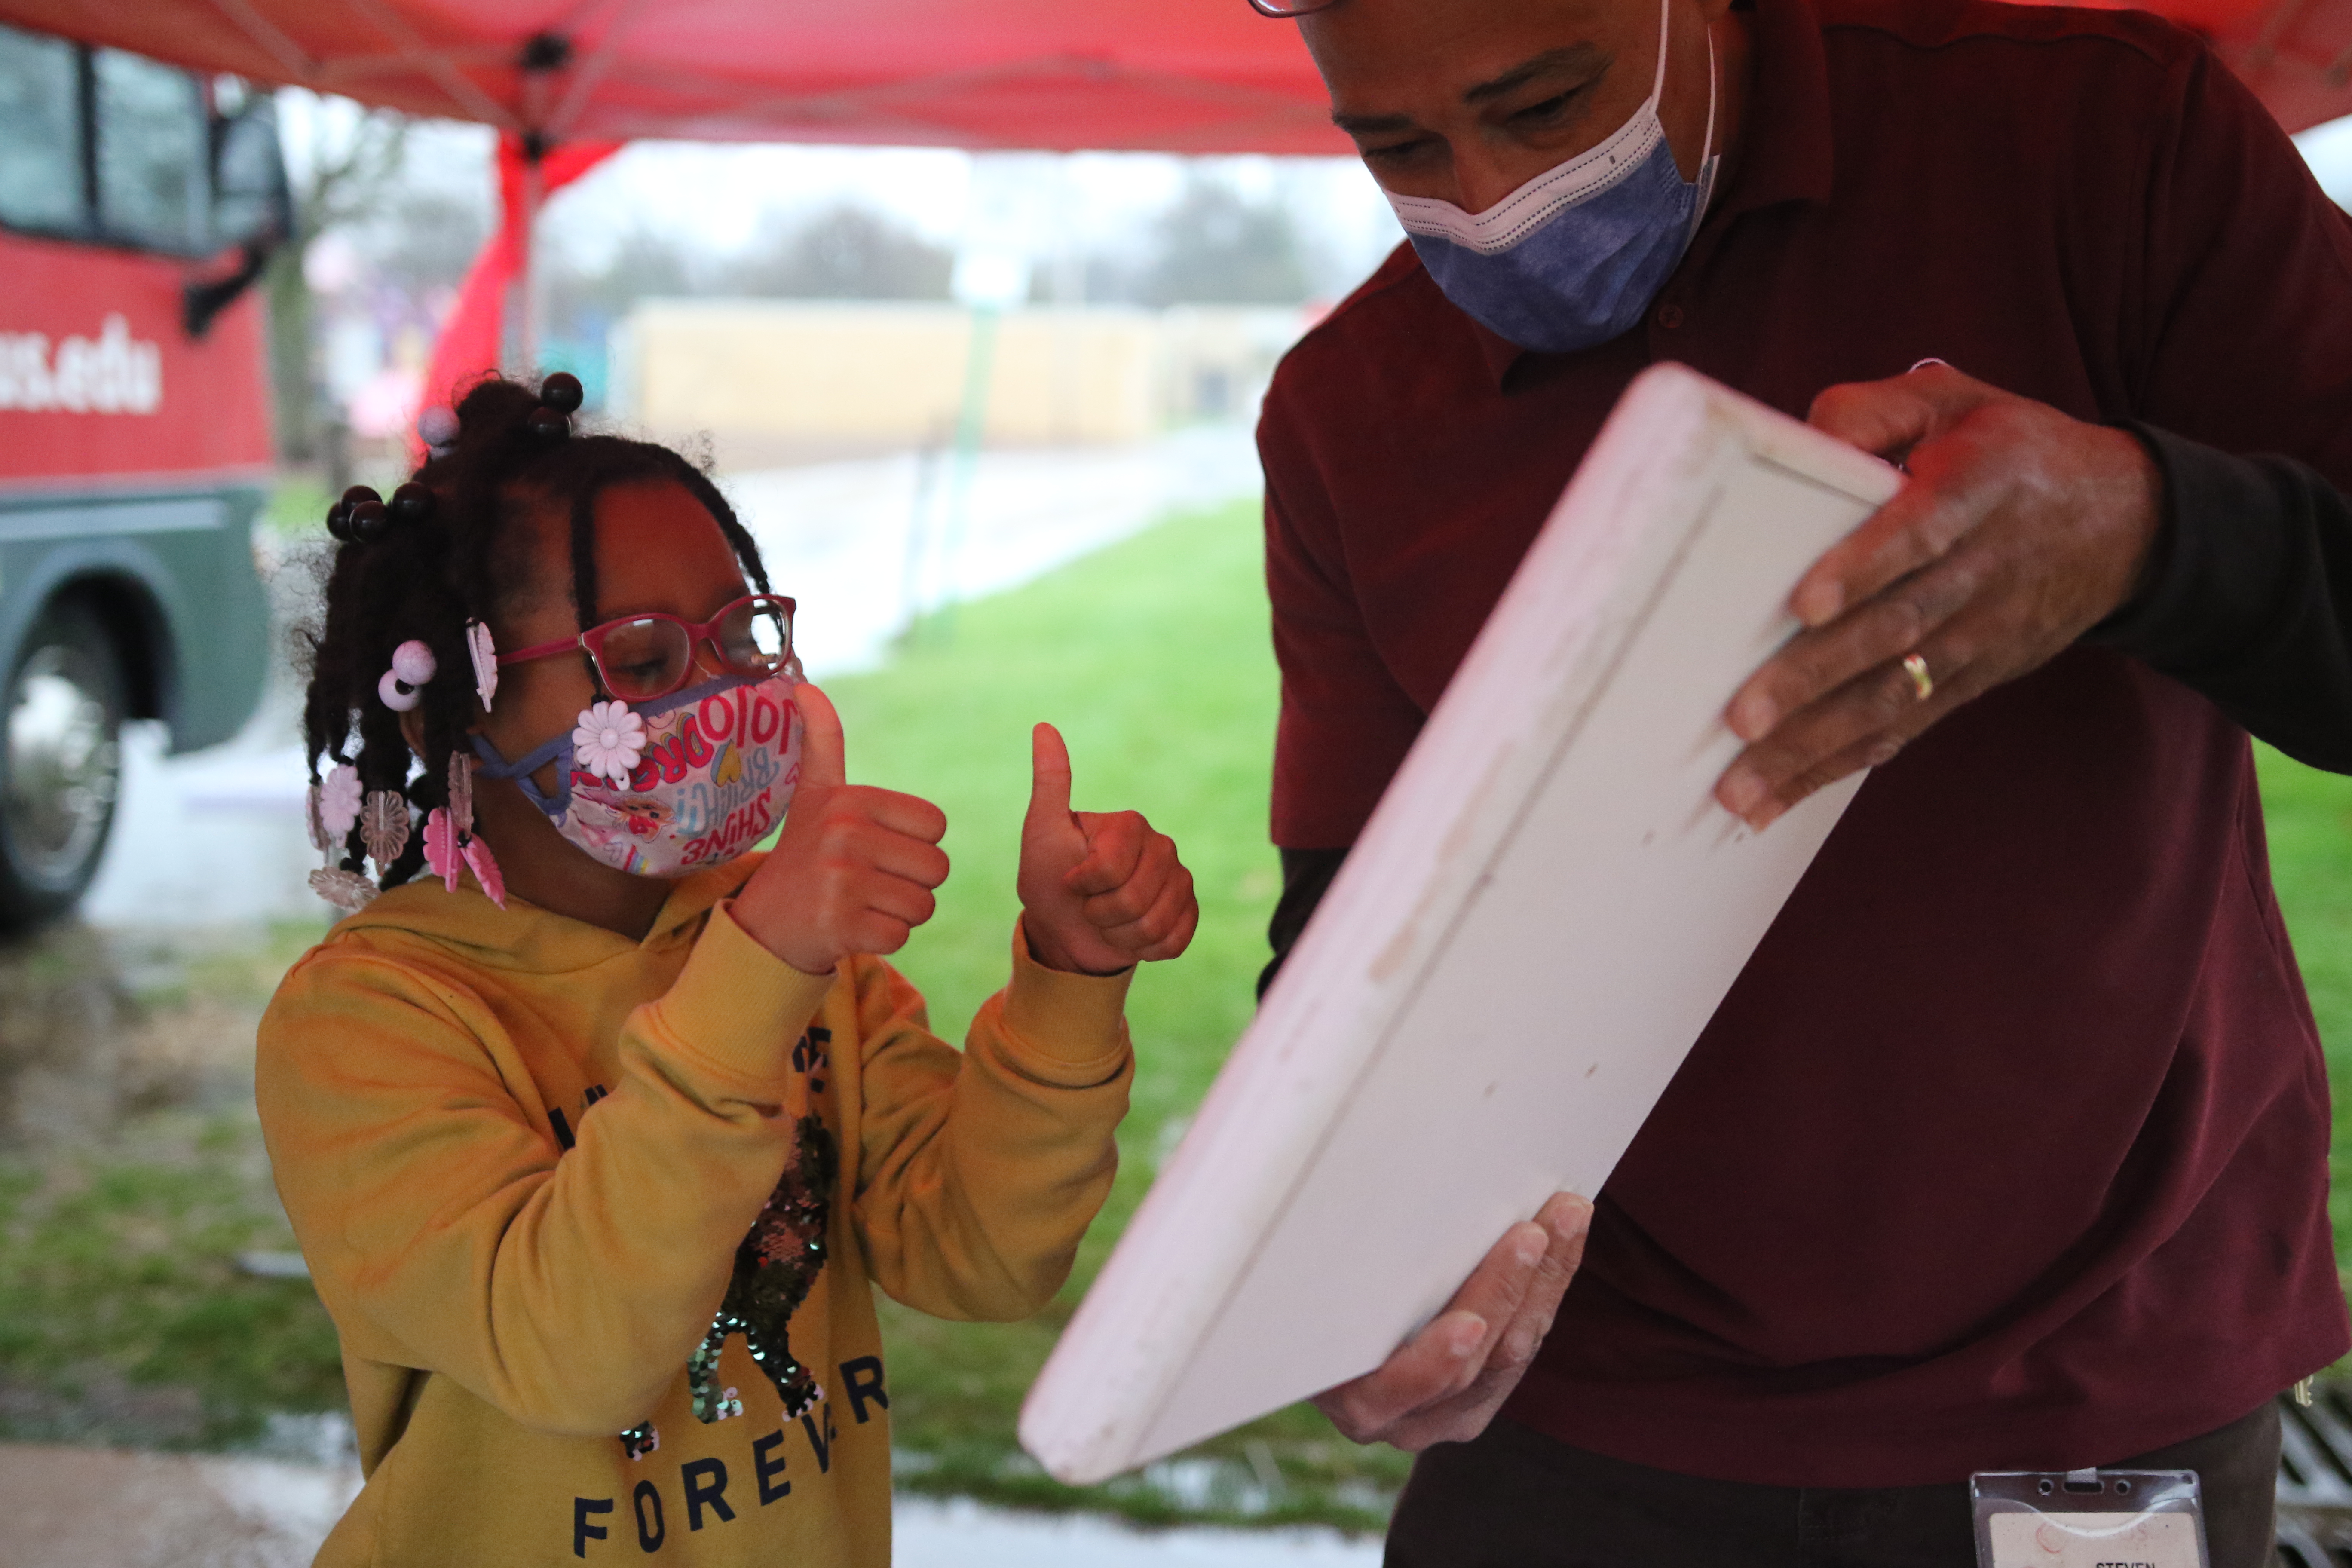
423,579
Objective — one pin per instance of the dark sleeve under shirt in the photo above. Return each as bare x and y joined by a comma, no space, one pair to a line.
2248,601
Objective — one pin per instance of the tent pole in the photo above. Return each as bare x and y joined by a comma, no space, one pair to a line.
534,193
971,430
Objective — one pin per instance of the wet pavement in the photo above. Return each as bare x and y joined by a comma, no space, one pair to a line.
90,1507
97,1507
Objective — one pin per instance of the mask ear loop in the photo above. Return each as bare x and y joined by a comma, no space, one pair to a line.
1709,159
1658,83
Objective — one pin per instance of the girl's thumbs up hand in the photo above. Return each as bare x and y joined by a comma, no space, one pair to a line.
852,870
1098,890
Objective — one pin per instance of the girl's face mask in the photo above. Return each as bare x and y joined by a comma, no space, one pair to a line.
683,781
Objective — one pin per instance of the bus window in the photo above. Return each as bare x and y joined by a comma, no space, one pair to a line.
40,133
249,198
153,141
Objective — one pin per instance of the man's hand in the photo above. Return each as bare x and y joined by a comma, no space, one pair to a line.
853,869
1447,1382
2020,529
1098,890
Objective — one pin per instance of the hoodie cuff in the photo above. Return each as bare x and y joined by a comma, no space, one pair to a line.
739,1005
1074,1020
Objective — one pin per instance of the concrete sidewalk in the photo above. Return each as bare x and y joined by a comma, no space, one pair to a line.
97,1507
102,1508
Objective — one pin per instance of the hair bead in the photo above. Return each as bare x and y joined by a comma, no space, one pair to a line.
340,521
412,502
563,393
437,428
400,699
413,662
370,520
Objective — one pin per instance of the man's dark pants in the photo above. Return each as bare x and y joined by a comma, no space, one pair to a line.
1517,1499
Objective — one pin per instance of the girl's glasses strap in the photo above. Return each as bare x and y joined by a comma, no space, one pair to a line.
542,650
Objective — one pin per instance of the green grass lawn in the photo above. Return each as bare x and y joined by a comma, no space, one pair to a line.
1152,657
124,1316
2309,816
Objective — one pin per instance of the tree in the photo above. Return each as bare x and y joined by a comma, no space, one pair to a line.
646,264
845,252
1212,247
422,241
347,168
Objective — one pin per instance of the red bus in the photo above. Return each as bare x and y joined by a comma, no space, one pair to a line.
137,204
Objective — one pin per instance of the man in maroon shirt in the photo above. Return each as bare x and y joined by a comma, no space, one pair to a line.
2009,1148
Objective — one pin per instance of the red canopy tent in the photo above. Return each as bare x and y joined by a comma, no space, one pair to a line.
567,80
1181,76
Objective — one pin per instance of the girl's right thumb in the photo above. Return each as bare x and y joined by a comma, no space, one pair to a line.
822,764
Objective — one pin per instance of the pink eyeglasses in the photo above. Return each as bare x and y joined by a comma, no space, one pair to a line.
640,657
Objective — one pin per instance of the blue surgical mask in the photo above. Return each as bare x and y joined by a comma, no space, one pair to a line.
1574,256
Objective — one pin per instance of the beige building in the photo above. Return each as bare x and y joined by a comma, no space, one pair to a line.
785,381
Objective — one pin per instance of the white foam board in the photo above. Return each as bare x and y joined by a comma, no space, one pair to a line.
1535,926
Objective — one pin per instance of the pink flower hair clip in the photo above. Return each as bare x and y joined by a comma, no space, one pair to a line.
333,808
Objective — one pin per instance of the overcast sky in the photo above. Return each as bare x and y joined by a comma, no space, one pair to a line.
1040,205
2328,150
716,196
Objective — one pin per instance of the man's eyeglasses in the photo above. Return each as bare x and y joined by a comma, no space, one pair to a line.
1290,8
640,657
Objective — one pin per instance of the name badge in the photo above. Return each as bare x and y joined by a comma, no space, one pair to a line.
2088,1518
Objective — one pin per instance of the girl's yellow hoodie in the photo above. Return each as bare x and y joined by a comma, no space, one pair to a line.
542,1173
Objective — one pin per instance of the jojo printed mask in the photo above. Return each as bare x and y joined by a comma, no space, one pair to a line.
709,772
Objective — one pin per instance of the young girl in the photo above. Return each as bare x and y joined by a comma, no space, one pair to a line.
595,1134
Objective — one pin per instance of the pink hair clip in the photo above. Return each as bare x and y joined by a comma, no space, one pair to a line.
486,870
337,807
485,654
383,825
451,847
347,890
441,847
461,791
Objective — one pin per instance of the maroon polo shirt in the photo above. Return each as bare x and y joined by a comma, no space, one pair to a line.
2009,1148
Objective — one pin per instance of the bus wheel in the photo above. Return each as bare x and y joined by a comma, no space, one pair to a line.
62,762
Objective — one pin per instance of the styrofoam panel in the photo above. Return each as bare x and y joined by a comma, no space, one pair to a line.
1539,920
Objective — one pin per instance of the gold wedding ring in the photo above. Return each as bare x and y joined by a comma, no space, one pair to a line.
1921,681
